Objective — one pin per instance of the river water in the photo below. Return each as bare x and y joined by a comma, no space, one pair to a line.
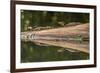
32,52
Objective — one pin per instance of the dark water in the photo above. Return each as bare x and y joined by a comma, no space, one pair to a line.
30,52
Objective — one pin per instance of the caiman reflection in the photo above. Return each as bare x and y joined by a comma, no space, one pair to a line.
74,37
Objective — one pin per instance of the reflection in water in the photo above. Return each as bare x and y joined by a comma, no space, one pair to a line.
30,52
66,32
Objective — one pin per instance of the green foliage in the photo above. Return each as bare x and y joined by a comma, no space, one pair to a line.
49,18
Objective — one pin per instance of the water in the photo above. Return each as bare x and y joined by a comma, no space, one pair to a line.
31,52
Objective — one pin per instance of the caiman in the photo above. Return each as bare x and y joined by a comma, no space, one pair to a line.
74,37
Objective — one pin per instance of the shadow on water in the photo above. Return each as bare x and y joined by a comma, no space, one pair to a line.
30,52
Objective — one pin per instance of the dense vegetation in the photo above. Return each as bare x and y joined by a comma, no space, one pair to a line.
49,18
